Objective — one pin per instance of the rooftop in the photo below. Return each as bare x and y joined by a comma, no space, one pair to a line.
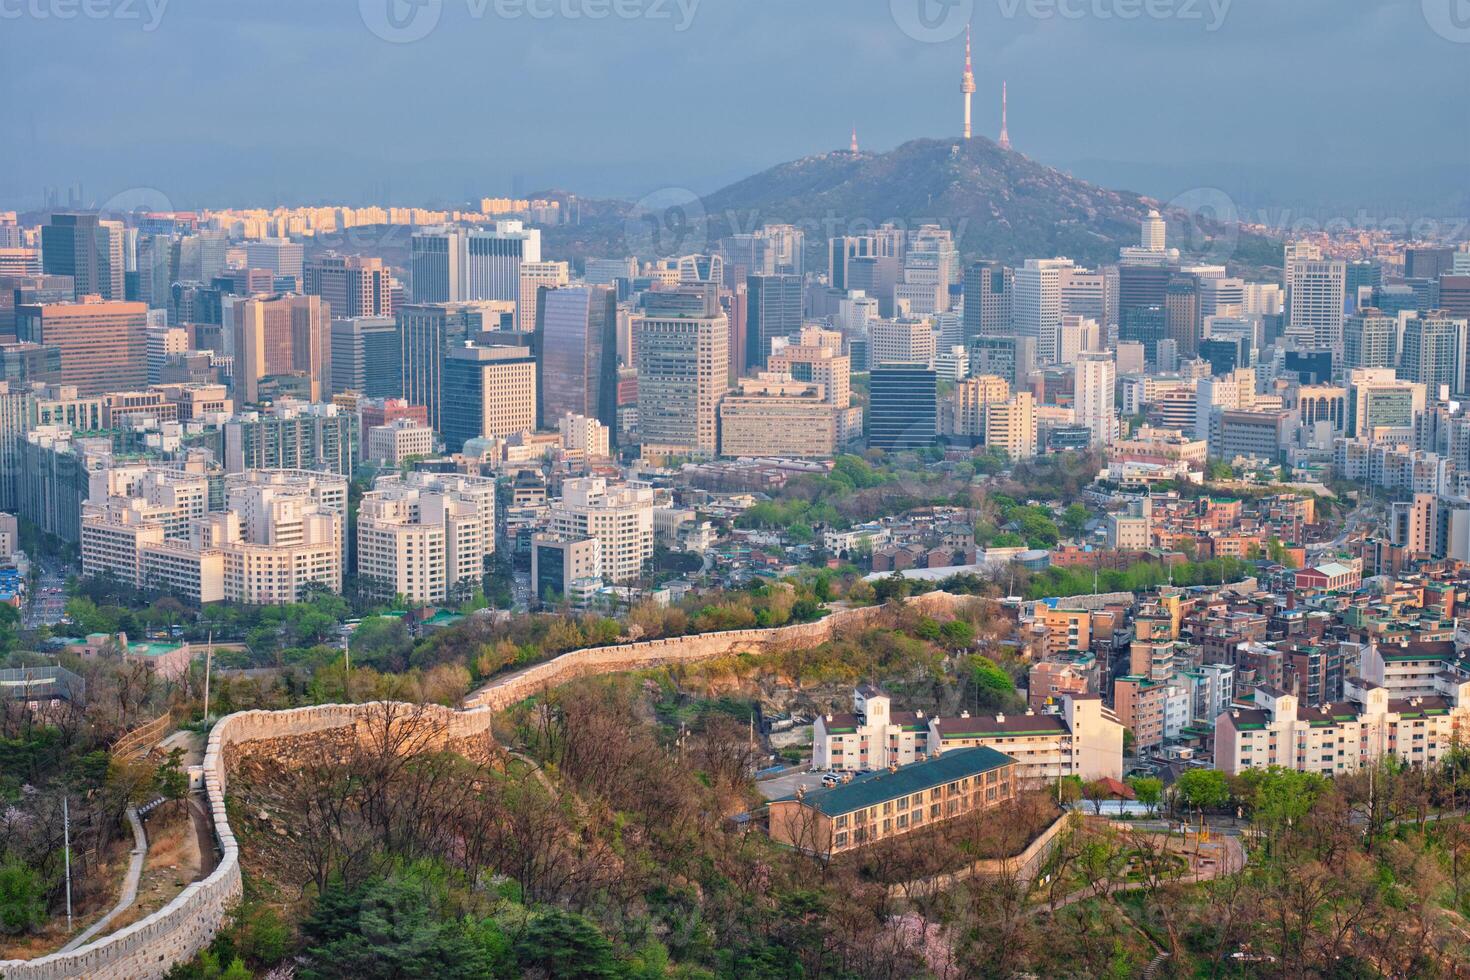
878,787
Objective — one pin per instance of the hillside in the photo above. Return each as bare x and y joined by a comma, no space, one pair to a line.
1000,204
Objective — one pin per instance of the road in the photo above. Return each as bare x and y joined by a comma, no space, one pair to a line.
49,602
130,884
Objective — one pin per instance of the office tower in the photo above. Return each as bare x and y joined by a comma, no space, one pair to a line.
367,356
398,441
701,269
773,309
1381,405
534,275
489,393
89,250
1221,296
427,331
870,263
855,312
1428,262
155,273
437,260
104,345
565,568
15,420
493,258
969,401
278,337
747,254
351,286
987,300
1153,232
1454,295
1369,340
245,282
1183,323
1142,286
1263,299
1292,254
1361,274
901,342
1011,358
606,272
30,290
1434,352
1146,325
1087,293
20,262
902,411
1094,384
1079,333
683,370
24,364
164,343
1225,354
1036,305
786,247
1316,300
620,518
930,266
774,415
281,256
576,348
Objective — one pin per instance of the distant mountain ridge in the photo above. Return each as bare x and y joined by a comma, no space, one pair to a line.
999,204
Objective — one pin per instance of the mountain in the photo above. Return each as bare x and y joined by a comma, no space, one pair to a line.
998,203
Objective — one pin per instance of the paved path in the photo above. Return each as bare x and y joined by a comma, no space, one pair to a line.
130,883
1234,862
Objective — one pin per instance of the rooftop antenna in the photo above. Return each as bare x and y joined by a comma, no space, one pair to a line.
1005,136
967,81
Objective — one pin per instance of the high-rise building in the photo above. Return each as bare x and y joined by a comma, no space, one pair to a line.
1454,295
987,300
291,436
426,536
620,518
1036,305
902,411
970,399
534,275
901,342
281,256
351,286
24,364
89,250
773,309
493,259
1010,426
585,435
367,356
1381,405
437,260
1316,302
281,336
1012,358
427,331
1369,340
576,349
1428,262
1094,386
1146,325
103,344
1183,322
489,392
683,370
1434,352
1153,232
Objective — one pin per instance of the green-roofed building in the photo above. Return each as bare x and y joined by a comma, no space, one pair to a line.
893,801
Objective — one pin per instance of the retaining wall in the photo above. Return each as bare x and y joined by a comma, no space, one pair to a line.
151,946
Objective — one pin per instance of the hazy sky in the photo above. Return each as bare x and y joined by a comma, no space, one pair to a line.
260,101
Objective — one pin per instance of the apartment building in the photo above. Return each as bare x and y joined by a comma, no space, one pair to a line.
619,517
426,535
775,415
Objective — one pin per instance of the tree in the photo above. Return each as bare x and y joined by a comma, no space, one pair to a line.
1202,789
957,635
993,686
170,781
564,944
1097,792
22,898
1148,790
1074,519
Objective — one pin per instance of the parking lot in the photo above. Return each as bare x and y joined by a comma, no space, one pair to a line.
785,784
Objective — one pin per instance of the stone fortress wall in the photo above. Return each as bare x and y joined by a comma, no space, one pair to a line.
151,946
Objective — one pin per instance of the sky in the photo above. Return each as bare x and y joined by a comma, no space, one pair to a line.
1332,104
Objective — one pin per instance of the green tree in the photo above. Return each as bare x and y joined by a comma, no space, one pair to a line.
1148,790
994,688
1202,789
563,944
170,781
1074,519
957,635
22,897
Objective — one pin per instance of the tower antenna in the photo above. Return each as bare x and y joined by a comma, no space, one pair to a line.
967,81
1005,136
